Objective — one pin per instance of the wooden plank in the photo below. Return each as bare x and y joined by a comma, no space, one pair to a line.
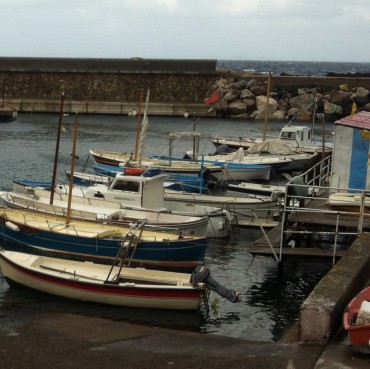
301,252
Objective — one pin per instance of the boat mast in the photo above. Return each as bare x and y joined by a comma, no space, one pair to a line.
53,182
267,106
73,161
139,123
144,129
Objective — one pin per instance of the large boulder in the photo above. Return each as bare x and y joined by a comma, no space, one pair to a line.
332,109
222,82
239,85
341,98
246,94
231,95
237,108
261,103
258,90
251,104
303,103
361,96
278,115
250,83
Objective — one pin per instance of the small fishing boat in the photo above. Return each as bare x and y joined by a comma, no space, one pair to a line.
246,211
167,166
8,113
175,181
23,185
32,231
139,192
100,283
299,137
257,189
100,210
279,156
229,171
234,171
356,320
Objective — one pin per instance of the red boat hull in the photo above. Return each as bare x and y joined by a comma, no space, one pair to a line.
358,331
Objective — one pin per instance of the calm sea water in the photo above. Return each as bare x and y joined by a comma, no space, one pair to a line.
270,301
299,68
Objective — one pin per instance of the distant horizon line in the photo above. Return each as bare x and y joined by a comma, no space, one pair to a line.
166,58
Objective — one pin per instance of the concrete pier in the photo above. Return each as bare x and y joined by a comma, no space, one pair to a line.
321,314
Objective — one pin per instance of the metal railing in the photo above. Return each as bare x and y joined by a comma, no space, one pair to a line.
298,199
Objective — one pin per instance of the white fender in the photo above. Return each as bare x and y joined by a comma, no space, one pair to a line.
12,226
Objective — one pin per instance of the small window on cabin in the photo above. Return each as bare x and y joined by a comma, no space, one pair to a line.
126,186
288,135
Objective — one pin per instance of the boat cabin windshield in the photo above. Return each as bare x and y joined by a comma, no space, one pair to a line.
288,135
126,186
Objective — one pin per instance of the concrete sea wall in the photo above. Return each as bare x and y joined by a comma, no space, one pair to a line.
321,313
109,86
113,86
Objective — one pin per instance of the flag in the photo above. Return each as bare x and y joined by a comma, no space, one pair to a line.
215,97
354,109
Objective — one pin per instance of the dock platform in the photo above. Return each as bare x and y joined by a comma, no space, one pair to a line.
312,231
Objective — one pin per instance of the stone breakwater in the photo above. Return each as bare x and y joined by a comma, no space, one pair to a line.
244,96
177,87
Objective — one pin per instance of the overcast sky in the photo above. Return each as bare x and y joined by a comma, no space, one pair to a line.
300,30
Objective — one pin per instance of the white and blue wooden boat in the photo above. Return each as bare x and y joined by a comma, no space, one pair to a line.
175,181
227,169
279,156
167,166
31,231
233,171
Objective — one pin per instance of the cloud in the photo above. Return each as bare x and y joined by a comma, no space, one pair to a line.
252,29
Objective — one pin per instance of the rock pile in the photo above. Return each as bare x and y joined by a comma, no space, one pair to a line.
246,98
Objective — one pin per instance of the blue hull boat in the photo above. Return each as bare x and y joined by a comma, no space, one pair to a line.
27,231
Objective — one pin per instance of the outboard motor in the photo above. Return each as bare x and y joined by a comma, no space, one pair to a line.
202,274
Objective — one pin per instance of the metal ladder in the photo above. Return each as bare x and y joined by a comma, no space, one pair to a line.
129,243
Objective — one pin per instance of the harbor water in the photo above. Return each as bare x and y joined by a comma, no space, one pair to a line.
270,301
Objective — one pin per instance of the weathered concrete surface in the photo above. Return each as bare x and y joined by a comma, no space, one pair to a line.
73,341
49,340
321,313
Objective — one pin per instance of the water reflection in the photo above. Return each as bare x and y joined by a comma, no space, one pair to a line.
281,292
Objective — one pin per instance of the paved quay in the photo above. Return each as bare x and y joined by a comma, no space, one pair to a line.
51,340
